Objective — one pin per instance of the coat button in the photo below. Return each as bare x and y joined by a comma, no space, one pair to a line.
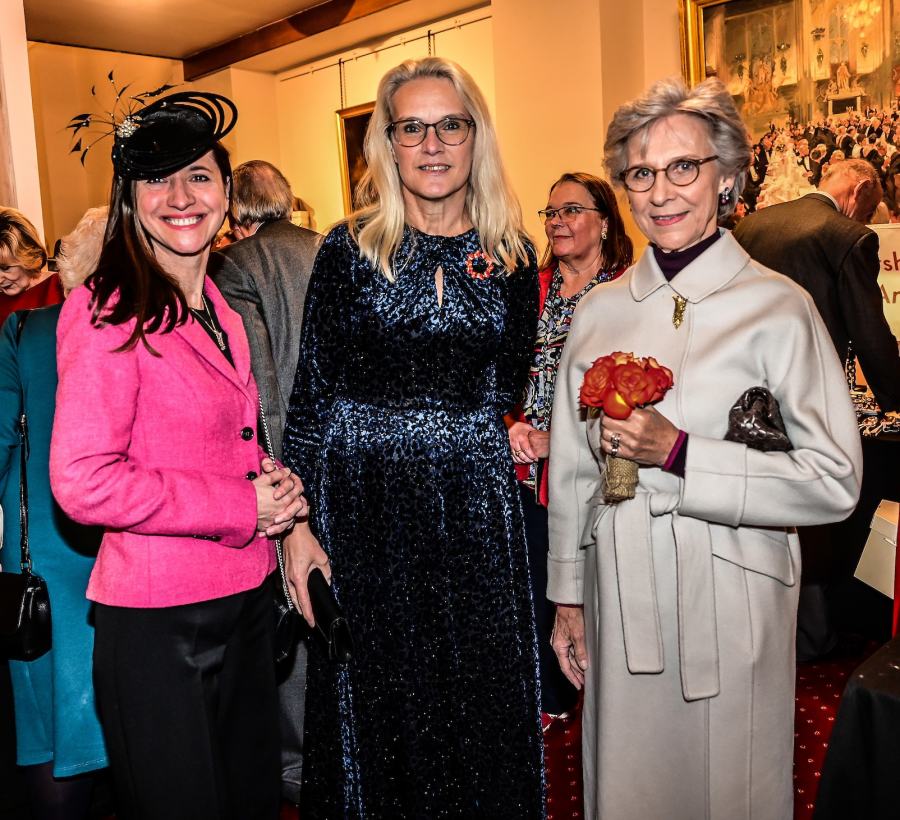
247,433
251,476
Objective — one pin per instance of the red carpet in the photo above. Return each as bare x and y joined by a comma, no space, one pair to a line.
562,759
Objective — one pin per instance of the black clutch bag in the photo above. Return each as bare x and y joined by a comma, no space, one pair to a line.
331,624
755,420
25,625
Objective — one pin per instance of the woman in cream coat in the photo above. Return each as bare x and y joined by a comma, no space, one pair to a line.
685,643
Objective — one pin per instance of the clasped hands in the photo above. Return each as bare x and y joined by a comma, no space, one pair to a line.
279,499
528,444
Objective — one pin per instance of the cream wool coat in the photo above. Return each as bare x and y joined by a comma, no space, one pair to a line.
690,589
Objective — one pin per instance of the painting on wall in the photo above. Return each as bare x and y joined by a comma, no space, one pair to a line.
798,59
352,125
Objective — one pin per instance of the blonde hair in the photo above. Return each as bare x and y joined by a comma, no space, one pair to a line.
19,242
79,251
377,226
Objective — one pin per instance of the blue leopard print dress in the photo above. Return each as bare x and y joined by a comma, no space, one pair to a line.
396,428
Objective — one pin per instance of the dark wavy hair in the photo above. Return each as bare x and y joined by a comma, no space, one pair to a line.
618,249
129,283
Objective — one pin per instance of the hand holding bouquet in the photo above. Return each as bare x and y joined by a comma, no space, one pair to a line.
616,384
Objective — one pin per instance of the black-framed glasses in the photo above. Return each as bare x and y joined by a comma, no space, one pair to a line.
681,172
567,213
450,131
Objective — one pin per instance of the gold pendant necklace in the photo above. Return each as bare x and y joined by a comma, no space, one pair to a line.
678,315
205,318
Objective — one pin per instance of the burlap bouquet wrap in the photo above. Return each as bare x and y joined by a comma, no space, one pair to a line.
620,479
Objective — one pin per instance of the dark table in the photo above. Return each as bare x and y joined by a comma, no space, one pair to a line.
861,775
832,551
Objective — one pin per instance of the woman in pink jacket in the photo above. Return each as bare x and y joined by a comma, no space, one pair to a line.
155,439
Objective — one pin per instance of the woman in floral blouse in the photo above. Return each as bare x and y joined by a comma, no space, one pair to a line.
587,245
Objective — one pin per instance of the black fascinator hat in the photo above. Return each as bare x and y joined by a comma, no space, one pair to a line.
170,133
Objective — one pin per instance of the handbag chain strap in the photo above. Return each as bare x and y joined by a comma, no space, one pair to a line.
23,493
279,545
23,464
850,367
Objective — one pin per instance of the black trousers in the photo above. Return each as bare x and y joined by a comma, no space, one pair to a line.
189,710
557,694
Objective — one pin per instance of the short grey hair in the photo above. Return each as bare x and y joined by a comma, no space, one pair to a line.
708,100
260,194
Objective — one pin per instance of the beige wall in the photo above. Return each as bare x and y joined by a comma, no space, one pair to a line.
62,78
309,97
552,72
19,178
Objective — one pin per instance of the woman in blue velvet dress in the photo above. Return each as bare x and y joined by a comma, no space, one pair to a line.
419,322
58,737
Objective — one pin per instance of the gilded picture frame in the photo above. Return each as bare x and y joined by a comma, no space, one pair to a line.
352,123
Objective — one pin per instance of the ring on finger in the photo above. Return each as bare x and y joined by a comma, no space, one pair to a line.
614,442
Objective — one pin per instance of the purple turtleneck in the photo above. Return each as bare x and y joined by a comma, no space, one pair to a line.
671,264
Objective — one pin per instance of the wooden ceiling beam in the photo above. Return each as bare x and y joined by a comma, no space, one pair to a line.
326,15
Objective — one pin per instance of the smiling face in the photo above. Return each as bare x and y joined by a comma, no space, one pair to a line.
13,277
181,212
577,242
671,216
431,171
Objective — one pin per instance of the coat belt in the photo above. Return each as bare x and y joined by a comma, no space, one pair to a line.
626,526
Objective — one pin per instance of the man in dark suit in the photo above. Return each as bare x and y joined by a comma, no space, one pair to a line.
848,141
822,243
264,277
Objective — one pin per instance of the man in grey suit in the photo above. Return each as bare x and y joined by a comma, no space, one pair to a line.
822,243
264,277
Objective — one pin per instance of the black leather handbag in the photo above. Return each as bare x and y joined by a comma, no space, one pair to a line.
25,625
755,420
331,625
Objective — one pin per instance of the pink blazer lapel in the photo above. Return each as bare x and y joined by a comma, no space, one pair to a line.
193,332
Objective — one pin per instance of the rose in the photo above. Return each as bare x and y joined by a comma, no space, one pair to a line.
618,383
596,382
635,384
614,404
663,376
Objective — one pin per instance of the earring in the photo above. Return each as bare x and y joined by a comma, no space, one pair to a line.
603,235
725,197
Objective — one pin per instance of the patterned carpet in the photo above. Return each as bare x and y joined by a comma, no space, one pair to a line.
819,689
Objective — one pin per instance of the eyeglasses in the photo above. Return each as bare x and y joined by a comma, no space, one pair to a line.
681,172
450,131
568,213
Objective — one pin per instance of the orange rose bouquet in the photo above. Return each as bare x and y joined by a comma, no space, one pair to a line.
616,384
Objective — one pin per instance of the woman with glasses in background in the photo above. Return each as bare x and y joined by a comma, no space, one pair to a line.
417,336
587,246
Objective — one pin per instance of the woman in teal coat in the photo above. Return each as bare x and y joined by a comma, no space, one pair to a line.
58,735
